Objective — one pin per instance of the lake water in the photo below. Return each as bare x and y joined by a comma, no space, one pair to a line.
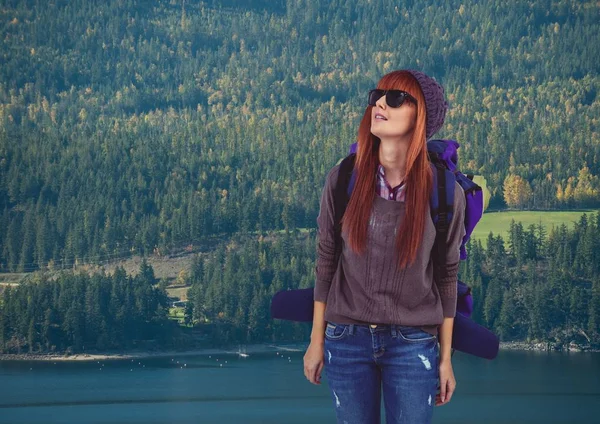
516,387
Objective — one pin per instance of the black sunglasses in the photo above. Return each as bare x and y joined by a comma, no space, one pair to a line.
393,98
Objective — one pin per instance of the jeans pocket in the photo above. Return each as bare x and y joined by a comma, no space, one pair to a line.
335,331
414,334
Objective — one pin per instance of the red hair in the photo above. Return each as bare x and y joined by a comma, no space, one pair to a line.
418,177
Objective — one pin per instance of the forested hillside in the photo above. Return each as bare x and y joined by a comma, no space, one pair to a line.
534,286
130,127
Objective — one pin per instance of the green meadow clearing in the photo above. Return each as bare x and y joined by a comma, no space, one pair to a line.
499,222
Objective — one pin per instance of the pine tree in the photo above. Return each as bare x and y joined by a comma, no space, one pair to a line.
579,308
594,313
12,244
27,243
493,302
540,312
146,273
531,243
507,316
31,335
188,314
197,269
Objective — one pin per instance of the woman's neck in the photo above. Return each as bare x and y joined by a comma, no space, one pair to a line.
392,156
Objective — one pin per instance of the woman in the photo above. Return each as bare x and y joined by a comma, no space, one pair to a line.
381,309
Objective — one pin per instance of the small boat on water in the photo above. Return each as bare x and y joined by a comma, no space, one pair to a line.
242,353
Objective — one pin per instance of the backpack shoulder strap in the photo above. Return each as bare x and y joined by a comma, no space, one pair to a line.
342,196
442,158
442,205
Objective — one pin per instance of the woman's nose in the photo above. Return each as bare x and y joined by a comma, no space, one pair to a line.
381,102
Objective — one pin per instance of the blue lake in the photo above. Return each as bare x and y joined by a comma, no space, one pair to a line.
516,387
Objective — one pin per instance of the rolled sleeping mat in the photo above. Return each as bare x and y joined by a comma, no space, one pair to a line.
293,305
467,336
474,339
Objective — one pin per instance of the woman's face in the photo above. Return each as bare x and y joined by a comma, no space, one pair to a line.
397,123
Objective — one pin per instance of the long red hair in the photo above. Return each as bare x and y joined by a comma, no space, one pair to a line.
418,177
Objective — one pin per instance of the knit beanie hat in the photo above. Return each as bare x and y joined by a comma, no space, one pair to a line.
435,103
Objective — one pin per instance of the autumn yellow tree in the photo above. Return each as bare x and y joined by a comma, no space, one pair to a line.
560,194
517,191
569,190
587,188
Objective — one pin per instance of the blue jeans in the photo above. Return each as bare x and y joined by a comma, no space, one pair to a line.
359,359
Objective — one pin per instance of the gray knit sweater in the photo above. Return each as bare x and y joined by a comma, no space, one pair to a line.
371,288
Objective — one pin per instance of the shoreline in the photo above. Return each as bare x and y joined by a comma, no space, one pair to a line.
547,347
247,349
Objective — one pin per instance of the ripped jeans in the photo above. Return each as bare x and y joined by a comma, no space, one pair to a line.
359,359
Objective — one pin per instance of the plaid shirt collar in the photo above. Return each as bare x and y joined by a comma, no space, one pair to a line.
384,189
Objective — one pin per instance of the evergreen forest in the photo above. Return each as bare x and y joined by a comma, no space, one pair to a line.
535,286
131,127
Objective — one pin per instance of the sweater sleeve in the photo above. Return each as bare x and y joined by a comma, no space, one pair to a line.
326,264
446,277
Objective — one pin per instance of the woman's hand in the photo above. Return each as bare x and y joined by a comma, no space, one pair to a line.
447,383
313,362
